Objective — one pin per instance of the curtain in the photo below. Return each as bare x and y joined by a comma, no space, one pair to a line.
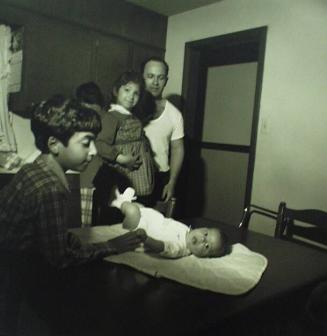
8,145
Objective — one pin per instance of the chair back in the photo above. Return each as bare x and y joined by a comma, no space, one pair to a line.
255,209
307,226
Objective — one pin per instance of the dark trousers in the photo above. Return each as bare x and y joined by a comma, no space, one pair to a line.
13,279
161,179
42,288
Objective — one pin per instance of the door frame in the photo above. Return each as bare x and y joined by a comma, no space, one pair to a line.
234,48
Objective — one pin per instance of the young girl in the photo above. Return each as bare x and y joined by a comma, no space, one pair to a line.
122,144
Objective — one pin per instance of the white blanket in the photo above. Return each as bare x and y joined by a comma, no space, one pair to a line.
233,274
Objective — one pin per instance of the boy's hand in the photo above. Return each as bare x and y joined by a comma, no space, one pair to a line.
126,242
141,234
73,241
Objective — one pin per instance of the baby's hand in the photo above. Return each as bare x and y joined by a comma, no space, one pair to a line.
141,234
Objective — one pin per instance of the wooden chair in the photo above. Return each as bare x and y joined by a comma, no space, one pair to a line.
166,208
308,226
255,209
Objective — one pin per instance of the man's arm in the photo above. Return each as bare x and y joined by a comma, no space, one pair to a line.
176,161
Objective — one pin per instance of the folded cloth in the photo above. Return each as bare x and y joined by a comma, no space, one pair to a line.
233,274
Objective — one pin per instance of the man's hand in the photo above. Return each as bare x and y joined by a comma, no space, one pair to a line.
126,242
168,192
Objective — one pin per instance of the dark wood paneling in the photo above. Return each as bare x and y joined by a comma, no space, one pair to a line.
57,56
109,16
61,50
140,53
111,58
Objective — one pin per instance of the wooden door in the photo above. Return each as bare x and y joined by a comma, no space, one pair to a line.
221,118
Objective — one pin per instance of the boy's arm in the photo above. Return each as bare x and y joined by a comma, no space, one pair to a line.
57,245
154,245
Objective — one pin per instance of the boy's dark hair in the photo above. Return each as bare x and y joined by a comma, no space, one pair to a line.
90,93
224,247
61,118
155,59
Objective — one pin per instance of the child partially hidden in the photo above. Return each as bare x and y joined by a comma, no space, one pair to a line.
166,236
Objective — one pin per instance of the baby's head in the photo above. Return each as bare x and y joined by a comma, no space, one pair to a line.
207,242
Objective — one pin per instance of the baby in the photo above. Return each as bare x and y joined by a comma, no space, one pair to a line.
166,236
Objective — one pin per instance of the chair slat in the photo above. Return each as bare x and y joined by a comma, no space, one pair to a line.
308,224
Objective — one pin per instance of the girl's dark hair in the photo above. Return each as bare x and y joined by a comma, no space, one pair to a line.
125,78
61,118
146,108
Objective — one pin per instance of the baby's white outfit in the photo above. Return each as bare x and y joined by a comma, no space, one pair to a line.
171,232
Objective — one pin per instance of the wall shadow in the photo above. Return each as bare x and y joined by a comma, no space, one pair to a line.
190,185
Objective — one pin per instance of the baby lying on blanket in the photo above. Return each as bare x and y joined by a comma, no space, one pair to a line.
166,236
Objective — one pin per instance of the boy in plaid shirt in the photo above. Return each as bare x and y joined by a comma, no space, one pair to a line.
33,206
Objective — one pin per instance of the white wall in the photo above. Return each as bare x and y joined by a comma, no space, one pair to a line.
24,138
291,157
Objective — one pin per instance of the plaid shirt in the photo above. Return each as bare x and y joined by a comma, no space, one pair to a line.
33,213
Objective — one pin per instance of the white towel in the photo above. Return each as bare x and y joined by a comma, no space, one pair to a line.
233,274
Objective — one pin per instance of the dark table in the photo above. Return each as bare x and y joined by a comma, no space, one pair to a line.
111,299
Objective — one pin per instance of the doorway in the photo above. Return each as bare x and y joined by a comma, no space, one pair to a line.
221,92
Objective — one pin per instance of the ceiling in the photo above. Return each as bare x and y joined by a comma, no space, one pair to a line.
171,7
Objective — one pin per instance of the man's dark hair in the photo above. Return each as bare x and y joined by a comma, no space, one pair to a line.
61,118
155,59
90,93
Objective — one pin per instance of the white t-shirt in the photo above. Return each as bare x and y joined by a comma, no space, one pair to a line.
161,131
172,233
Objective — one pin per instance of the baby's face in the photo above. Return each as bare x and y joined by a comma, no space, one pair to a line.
203,241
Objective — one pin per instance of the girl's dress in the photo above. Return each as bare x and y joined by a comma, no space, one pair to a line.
122,133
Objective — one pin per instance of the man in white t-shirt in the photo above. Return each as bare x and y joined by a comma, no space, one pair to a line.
165,132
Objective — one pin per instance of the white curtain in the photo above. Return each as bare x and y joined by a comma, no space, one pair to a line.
8,148
7,138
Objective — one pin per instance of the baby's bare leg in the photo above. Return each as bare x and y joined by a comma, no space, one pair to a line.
132,215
